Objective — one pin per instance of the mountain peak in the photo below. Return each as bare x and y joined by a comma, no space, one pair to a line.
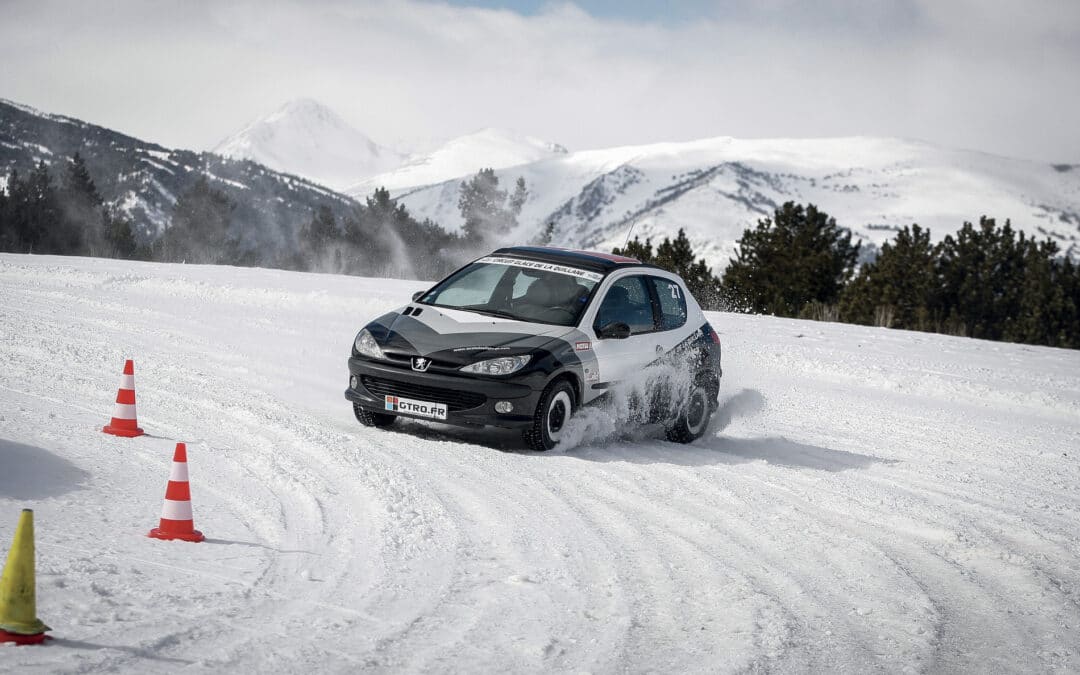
305,108
307,138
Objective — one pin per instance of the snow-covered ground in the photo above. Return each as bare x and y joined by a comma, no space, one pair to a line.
870,500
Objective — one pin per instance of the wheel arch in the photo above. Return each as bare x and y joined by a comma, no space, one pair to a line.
575,384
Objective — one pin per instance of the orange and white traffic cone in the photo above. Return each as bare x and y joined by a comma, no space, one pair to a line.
124,421
176,518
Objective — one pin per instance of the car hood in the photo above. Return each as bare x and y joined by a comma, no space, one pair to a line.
454,338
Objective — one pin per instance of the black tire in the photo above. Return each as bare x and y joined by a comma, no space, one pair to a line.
693,421
372,419
556,405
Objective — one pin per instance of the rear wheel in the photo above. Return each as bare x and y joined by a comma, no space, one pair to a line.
552,413
372,419
694,419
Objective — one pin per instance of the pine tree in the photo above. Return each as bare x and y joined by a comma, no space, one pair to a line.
897,288
638,250
798,257
545,236
518,197
484,207
77,180
1046,313
199,231
980,273
319,234
81,226
117,236
38,217
1068,277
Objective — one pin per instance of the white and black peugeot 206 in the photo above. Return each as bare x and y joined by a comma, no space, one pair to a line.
523,337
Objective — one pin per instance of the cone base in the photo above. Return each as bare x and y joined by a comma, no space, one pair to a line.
126,433
23,639
158,533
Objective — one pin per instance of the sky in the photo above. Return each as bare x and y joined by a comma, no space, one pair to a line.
990,75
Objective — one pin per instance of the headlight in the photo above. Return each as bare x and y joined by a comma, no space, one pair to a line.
503,365
366,345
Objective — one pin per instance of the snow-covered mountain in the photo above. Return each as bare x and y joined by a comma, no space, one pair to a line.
143,180
717,187
462,156
306,138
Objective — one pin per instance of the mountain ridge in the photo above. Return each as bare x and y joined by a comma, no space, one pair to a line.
715,188
143,179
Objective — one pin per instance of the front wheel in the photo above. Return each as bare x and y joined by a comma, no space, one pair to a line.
372,419
552,413
694,420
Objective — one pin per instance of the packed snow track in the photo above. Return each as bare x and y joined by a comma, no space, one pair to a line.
868,500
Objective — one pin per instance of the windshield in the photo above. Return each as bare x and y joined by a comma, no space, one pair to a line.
525,290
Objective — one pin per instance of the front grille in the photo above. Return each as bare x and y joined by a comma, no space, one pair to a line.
405,361
454,400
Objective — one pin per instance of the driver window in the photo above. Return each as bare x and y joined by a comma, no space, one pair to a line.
627,301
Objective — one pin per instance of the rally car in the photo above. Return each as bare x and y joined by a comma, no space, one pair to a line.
523,337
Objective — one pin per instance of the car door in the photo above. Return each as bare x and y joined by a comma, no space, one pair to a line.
627,300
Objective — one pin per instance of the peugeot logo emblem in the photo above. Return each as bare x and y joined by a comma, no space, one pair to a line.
420,364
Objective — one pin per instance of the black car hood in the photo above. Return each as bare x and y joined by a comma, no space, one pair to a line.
454,338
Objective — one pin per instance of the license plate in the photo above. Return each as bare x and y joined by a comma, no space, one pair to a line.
435,411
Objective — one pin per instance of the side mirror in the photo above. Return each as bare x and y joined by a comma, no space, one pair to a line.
417,295
616,330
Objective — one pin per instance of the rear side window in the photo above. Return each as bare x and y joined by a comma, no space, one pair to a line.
627,301
672,303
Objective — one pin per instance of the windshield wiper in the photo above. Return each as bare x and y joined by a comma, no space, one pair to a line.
492,312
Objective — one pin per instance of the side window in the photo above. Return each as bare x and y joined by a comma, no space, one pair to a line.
627,301
672,303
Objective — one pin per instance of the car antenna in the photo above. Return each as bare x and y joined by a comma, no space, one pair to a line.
628,232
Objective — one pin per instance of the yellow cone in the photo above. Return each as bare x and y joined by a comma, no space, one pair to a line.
18,599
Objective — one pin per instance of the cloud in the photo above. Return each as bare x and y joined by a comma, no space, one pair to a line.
995,76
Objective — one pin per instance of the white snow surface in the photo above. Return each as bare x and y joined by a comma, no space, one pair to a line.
716,188
306,138
461,157
867,500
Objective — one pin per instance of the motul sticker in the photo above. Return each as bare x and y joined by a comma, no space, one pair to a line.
583,346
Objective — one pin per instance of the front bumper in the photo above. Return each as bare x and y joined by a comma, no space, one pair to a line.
470,400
